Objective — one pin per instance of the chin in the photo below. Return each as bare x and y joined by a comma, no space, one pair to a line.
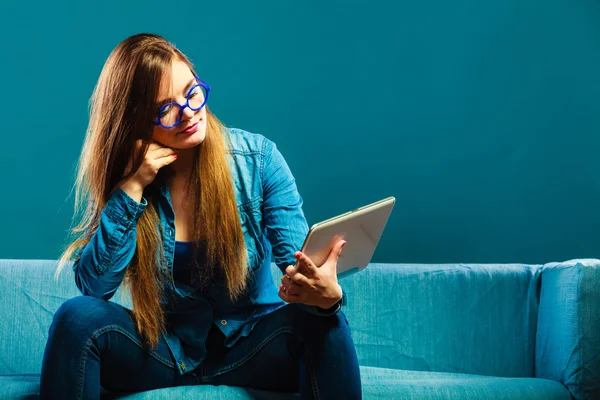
189,141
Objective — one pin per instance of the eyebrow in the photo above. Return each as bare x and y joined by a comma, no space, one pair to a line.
172,100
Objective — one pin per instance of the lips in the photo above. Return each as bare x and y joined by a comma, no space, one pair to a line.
191,129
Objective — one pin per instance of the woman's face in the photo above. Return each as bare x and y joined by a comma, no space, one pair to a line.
191,130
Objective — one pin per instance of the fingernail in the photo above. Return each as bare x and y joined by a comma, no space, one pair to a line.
175,155
343,244
281,287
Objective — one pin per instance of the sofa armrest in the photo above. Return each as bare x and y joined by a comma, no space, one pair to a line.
568,333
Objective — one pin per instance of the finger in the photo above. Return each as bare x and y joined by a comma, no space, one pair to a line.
164,161
305,265
162,152
335,252
296,276
288,298
285,288
290,286
154,146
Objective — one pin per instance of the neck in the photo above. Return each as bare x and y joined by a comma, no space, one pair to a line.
182,167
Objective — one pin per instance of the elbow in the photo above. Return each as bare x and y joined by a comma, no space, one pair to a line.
96,290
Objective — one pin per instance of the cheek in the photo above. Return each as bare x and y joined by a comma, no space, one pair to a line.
160,134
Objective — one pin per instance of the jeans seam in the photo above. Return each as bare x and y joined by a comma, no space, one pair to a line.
312,373
81,370
251,353
101,331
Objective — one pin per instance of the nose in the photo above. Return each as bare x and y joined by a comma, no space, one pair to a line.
188,113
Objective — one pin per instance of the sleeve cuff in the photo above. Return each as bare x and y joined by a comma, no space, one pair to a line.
330,311
335,309
122,207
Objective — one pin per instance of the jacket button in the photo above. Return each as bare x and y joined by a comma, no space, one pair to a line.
223,322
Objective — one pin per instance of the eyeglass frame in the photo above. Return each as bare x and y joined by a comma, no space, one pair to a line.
182,107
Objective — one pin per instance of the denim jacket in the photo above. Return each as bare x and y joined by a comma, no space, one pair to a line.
270,209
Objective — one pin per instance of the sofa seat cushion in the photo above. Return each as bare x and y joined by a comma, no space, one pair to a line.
383,383
378,383
19,386
27,387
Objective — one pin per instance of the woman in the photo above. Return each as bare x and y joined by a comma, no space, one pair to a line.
186,213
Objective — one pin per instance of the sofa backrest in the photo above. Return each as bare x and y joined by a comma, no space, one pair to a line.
462,318
29,297
458,318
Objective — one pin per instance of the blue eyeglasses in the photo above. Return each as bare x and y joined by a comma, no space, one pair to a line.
170,114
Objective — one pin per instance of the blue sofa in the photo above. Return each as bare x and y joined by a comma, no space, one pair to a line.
460,331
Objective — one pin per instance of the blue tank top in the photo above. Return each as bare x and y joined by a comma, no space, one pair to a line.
185,267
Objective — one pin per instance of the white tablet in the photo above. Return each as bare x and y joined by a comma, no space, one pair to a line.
361,228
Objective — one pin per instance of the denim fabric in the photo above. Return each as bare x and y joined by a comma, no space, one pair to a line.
93,342
568,335
270,210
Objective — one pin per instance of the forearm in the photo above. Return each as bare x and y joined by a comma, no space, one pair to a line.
102,264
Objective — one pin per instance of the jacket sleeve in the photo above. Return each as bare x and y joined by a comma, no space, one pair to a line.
101,265
285,222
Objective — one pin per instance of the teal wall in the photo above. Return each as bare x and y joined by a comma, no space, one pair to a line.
481,118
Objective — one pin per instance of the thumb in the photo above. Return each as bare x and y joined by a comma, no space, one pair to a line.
335,252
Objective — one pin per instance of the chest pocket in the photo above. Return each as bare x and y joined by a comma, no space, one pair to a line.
251,219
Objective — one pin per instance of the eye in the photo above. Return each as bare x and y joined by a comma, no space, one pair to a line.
195,92
165,110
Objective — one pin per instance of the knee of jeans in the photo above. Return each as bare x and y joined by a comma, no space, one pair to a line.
312,323
81,313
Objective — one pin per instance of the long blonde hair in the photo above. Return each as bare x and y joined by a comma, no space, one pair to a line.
121,112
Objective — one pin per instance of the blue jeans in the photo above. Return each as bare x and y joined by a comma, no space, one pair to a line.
93,343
